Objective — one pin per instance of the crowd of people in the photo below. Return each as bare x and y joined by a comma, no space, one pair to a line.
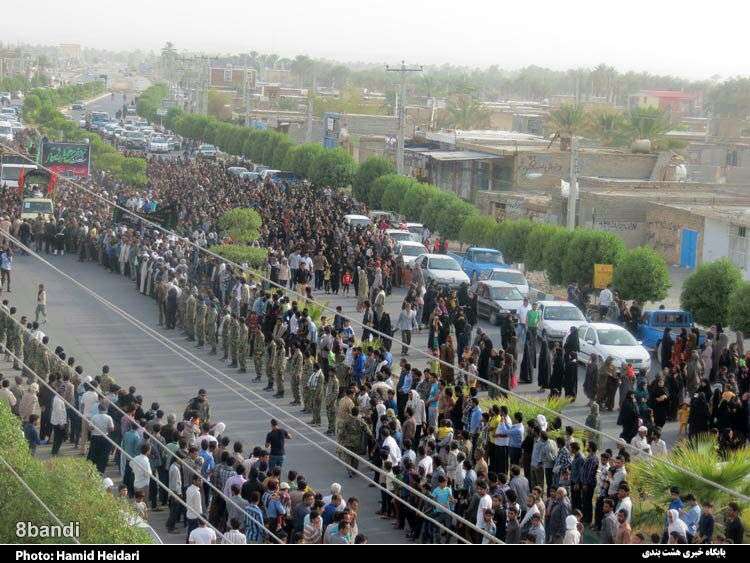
522,481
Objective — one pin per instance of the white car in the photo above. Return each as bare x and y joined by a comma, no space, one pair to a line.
6,132
415,228
207,151
556,319
158,144
357,220
441,269
607,339
398,235
513,277
408,251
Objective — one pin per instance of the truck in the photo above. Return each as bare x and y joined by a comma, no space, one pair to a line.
477,260
653,322
38,187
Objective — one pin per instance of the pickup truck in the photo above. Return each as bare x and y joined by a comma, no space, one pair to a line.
653,322
477,260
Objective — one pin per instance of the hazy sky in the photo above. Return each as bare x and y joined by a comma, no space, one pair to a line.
688,38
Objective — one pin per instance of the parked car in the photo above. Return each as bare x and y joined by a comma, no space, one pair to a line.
607,339
653,322
496,299
476,260
390,217
158,144
398,235
407,251
415,228
208,151
513,277
357,220
440,269
78,106
556,319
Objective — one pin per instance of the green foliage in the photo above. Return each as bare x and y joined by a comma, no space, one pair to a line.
253,256
642,274
149,102
586,248
566,121
531,408
537,240
280,152
706,293
554,253
477,230
739,308
454,216
369,170
243,225
464,111
299,159
71,487
433,212
220,105
651,480
415,199
513,237
395,188
334,168
731,98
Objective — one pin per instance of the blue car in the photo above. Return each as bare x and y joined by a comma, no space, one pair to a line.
653,323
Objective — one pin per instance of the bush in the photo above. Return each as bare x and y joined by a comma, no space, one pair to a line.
432,212
453,217
706,292
395,188
71,487
512,238
477,230
739,308
377,189
301,158
415,199
253,256
537,240
243,225
554,253
586,248
642,274
333,168
369,170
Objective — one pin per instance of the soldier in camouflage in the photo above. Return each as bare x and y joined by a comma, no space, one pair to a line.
190,304
224,328
316,383
4,323
259,351
234,340
181,304
212,311
354,435
280,367
296,366
242,345
270,362
200,323
42,361
332,396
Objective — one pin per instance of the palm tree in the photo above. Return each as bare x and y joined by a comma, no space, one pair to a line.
466,112
301,67
608,127
649,123
567,121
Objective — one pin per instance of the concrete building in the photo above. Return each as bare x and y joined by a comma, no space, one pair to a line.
688,235
231,78
676,104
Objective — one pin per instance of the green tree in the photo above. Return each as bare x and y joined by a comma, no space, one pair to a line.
706,293
415,199
395,188
466,112
334,168
477,230
554,253
301,158
513,240
454,216
652,124
369,170
739,308
642,274
432,213
243,225
567,121
254,256
586,248
731,98
536,242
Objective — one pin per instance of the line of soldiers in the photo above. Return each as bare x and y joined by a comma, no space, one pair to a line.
283,359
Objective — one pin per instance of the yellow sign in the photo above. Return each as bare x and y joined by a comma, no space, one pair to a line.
602,275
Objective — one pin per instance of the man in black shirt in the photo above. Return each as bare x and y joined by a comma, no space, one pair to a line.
275,443
734,530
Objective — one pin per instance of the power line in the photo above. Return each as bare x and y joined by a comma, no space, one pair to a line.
26,486
196,361
325,307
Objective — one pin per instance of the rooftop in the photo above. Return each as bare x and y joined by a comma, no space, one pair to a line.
736,214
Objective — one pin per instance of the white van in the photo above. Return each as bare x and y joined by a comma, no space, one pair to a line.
9,173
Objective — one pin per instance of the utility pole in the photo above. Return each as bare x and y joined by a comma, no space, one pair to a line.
308,132
247,93
573,189
403,70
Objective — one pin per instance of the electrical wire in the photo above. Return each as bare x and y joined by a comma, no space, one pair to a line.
196,362
325,307
26,486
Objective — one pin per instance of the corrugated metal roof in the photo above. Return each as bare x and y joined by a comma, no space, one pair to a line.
458,155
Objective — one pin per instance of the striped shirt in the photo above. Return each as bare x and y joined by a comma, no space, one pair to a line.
254,530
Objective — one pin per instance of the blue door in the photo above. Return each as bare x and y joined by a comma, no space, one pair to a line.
688,249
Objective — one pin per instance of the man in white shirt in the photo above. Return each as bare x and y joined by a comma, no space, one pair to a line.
605,300
640,441
88,403
203,534
101,425
194,504
485,501
523,312
141,467
394,452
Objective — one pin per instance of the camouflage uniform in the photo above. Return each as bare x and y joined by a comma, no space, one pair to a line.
42,363
352,431
226,321
211,336
280,367
296,365
242,342
234,341
30,356
259,351
343,410
317,386
4,324
270,361
200,323
332,395
181,304
15,344
189,322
